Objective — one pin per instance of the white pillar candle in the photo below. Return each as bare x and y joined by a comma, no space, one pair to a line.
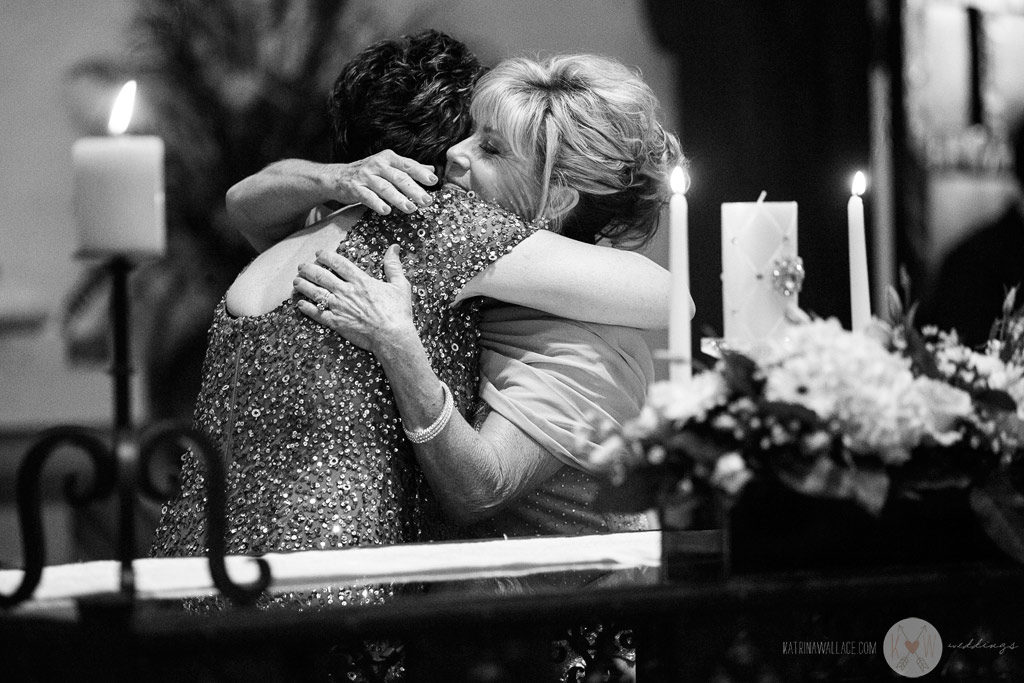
119,188
860,292
679,333
756,236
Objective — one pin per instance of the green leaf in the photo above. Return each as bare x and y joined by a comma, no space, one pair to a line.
905,283
911,315
1000,511
870,489
1009,302
824,479
995,400
894,306
920,356
786,412
740,374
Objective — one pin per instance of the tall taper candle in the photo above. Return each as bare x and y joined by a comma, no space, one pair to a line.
860,291
679,334
119,188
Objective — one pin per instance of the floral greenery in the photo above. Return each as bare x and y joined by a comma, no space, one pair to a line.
892,412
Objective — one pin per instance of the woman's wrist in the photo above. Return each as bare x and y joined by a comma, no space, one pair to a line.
417,434
420,394
397,344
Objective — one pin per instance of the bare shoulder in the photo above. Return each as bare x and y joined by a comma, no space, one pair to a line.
267,281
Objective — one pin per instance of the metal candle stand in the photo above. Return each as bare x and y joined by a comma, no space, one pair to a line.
124,463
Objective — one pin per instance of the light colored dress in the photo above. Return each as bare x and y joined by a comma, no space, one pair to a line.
551,376
306,421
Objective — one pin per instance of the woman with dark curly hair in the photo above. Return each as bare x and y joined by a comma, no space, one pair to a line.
412,94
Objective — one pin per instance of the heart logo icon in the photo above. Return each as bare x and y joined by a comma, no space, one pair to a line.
912,647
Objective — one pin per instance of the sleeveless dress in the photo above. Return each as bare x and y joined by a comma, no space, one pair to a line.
306,421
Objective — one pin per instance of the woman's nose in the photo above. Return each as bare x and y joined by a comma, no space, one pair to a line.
457,154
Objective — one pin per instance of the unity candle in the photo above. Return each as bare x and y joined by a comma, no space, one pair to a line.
761,273
860,297
119,188
679,265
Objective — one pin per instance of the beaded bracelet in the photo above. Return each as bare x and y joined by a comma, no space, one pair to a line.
426,434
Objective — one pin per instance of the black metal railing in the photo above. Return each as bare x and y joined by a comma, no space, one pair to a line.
122,465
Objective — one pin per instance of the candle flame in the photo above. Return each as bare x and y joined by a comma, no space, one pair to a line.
121,112
860,183
679,181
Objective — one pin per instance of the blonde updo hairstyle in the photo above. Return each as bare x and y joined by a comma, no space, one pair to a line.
587,127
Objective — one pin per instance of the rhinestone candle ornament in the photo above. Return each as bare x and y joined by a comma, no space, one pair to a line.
788,276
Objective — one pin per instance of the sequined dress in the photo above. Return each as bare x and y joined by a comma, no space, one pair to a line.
306,421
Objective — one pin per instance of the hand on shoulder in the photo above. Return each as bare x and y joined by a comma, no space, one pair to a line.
381,181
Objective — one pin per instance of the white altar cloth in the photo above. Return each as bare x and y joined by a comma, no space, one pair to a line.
167,578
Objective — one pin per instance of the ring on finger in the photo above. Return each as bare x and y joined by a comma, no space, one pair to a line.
321,302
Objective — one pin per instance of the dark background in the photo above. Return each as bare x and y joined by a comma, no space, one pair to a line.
773,96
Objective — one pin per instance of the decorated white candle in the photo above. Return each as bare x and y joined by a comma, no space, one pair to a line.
761,273
860,292
679,333
119,188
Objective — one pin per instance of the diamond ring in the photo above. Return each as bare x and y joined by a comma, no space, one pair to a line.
321,302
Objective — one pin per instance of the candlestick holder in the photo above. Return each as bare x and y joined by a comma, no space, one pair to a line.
123,463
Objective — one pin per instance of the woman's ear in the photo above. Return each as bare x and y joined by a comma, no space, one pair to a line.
563,200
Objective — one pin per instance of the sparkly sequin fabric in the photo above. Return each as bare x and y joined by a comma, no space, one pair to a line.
306,421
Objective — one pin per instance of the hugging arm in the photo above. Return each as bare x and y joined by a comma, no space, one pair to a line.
579,281
269,205
546,271
474,474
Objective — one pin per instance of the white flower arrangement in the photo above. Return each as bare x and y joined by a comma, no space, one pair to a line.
828,413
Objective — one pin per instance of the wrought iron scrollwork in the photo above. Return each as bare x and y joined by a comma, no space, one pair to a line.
124,463
30,499
185,436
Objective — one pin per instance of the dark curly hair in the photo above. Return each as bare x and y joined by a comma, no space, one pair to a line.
410,95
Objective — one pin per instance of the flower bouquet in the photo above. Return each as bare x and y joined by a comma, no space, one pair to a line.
833,447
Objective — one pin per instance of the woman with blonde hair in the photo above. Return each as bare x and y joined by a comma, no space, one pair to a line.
578,144
572,140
